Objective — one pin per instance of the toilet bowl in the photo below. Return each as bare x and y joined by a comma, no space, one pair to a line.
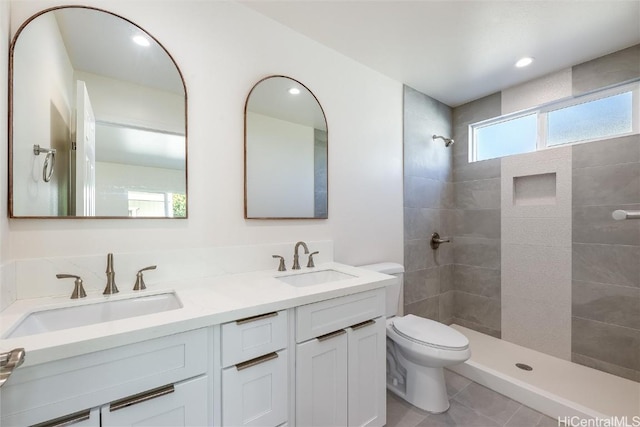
418,349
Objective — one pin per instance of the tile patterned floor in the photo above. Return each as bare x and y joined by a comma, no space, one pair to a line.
472,405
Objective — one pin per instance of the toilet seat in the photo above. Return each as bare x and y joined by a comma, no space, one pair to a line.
429,333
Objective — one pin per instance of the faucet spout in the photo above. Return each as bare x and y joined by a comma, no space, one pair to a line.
296,263
111,287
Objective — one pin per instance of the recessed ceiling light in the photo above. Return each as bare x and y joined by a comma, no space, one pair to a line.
141,40
294,91
523,62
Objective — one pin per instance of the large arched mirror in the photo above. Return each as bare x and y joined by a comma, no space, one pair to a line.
285,152
97,120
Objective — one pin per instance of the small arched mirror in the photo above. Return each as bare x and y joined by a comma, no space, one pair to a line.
97,119
285,152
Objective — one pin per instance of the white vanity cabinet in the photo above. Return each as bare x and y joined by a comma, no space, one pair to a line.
340,361
162,380
255,371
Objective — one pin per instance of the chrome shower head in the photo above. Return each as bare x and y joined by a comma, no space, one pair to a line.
447,141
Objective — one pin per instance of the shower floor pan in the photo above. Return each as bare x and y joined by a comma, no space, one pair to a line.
555,387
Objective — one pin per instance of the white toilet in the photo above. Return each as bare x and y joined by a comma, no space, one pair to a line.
418,349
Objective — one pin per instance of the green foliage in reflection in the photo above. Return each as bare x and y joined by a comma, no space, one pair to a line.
179,205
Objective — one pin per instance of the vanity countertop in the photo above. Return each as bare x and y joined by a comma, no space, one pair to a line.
206,301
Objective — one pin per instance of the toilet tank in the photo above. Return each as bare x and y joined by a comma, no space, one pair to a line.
395,290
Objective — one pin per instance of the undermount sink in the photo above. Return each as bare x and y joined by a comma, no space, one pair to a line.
88,314
315,278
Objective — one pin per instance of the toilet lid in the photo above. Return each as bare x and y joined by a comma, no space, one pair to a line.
430,332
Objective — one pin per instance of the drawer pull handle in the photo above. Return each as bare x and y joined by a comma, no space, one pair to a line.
10,361
256,361
141,397
331,335
256,318
363,324
67,420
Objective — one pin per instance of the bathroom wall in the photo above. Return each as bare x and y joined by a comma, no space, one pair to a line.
427,207
223,49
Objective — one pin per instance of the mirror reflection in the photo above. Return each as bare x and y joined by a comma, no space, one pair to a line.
106,105
285,152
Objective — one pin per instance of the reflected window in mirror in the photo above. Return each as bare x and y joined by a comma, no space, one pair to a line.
110,102
286,146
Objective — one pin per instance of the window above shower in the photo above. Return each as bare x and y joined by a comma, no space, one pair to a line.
600,115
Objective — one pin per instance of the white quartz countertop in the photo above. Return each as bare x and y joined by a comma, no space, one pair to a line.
205,302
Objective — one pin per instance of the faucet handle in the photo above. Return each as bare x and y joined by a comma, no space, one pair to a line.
310,263
78,290
140,278
281,266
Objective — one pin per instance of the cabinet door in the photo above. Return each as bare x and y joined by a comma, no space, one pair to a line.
186,405
321,381
367,373
254,393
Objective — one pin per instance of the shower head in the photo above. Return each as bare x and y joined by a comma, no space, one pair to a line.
447,141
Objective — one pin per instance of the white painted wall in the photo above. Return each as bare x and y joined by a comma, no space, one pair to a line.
223,49
280,168
38,122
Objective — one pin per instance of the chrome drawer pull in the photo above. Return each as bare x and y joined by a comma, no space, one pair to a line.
141,397
10,361
363,324
67,420
331,335
256,318
256,361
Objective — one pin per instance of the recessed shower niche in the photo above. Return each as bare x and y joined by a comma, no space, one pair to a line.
534,190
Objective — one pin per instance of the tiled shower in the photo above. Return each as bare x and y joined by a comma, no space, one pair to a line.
590,294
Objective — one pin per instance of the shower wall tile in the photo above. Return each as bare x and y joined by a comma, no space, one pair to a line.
600,365
476,326
479,194
617,305
594,224
422,192
465,171
476,223
477,280
477,251
416,252
606,342
625,149
606,185
419,223
537,231
427,308
421,284
445,308
477,309
446,278
607,70
612,264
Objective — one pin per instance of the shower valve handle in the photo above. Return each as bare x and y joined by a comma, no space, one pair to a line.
436,241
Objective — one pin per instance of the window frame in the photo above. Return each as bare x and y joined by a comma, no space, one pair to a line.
542,113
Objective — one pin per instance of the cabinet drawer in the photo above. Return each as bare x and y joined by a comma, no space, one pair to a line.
51,390
249,338
323,317
255,393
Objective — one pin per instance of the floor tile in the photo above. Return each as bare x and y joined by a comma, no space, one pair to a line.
458,415
401,413
487,402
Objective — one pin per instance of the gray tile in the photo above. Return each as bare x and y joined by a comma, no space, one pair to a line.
610,69
478,110
477,280
487,402
477,251
455,382
594,224
606,152
612,264
427,308
448,219
496,333
606,185
422,192
527,417
458,415
618,305
477,309
402,414
418,255
610,368
447,200
445,308
477,223
484,169
608,343
420,223
421,284
478,194
446,278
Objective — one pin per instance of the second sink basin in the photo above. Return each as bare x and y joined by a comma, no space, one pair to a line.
88,314
315,278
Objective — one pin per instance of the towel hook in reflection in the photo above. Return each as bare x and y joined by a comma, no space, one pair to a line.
49,161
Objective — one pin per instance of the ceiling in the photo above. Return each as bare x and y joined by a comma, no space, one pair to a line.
458,51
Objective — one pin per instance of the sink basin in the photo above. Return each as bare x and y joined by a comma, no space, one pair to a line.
315,278
88,314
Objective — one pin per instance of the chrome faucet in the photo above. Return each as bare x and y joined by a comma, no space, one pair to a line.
111,287
296,264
